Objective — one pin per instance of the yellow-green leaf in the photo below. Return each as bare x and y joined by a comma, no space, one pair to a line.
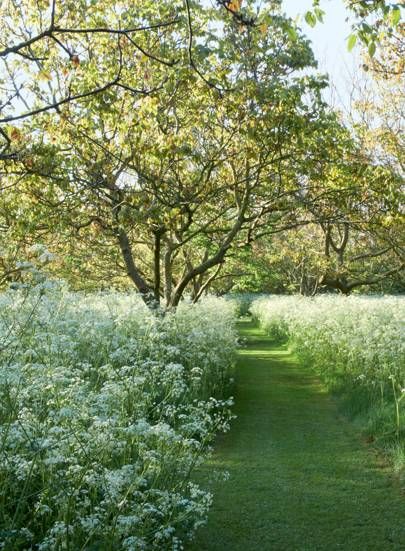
351,42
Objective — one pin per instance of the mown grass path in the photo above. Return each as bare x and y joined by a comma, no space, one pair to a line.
300,477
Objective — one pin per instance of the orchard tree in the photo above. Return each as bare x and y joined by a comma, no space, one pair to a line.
348,231
159,139
179,177
362,235
374,21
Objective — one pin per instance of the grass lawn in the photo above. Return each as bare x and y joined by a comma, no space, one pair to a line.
301,478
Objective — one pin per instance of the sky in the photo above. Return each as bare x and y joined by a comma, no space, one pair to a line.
329,42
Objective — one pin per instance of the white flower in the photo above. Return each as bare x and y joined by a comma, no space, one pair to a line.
46,257
105,424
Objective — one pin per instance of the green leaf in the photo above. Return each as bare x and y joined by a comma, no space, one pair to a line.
395,16
371,49
351,42
292,33
203,51
319,14
310,19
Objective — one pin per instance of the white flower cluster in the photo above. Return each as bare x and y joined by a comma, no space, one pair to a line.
105,411
356,340
31,272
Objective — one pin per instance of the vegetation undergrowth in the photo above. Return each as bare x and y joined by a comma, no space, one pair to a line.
356,345
105,411
300,477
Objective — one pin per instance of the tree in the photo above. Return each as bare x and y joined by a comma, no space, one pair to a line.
348,232
361,230
177,186
374,21
209,141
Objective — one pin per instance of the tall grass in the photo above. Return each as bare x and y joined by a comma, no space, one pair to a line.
357,346
105,411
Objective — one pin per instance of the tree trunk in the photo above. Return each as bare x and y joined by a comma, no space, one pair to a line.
156,264
132,270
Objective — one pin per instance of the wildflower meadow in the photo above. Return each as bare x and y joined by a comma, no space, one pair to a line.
105,411
202,275
356,344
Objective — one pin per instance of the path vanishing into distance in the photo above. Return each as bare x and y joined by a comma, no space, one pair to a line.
301,478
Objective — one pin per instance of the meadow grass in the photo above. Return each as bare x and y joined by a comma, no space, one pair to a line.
357,347
301,478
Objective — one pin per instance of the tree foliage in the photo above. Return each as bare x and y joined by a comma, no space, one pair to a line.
156,143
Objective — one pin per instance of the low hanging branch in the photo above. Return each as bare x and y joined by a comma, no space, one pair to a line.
61,34
206,285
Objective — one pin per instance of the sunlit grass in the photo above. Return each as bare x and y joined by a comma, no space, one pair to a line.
301,478
356,346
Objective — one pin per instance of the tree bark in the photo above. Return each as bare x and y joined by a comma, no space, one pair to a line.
217,258
131,268
156,264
